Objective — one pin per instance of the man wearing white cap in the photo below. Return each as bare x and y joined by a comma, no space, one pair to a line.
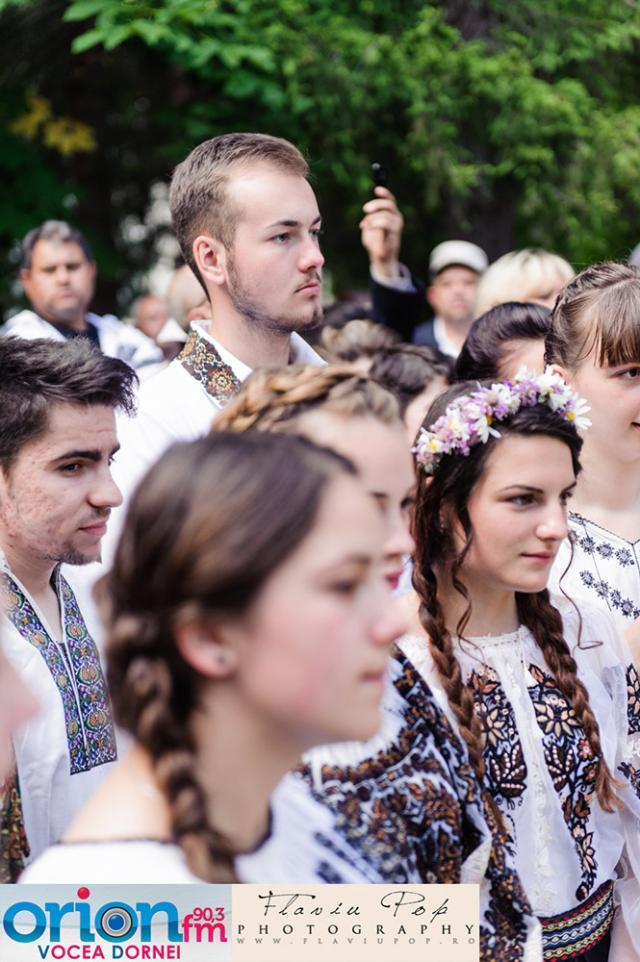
455,268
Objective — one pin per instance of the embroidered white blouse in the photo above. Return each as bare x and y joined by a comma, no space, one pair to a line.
539,765
604,570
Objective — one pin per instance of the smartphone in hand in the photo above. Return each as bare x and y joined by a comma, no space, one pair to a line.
379,174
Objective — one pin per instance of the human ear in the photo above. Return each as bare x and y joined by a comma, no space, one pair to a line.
561,372
206,648
210,256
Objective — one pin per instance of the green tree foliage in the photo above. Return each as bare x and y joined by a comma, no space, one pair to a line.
510,122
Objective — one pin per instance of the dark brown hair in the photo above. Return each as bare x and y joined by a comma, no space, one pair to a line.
443,500
407,370
356,339
597,312
208,525
199,199
36,374
489,336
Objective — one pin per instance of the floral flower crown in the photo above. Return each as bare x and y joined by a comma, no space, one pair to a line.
468,419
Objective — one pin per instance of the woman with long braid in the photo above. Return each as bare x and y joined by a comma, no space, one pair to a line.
538,692
247,621
407,801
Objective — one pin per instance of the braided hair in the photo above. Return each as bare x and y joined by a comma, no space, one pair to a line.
274,399
205,530
444,497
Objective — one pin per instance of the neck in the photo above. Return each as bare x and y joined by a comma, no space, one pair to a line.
239,794
457,331
253,346
78,323
606,482
34,573
492,612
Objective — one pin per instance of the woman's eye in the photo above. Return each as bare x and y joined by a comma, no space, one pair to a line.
630,373
522,499
280,238
345,587
564,498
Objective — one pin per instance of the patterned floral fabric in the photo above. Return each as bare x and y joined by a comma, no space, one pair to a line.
568,756
200,358
604,569
541,769
506,770
14,848
76,670
413,809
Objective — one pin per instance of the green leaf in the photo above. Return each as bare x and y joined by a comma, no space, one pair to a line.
82,10
87,40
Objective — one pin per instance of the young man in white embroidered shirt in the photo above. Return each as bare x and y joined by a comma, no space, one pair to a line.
57,440
248,225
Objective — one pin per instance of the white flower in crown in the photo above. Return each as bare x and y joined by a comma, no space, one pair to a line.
577,414
469,419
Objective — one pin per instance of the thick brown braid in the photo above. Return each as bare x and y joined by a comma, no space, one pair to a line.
271,396
545,624
151,694
458,694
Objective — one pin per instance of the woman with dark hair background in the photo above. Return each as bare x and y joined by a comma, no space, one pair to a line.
538,692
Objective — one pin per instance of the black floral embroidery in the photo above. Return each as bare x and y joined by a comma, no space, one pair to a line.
605,550
631,773
404,809
612,595
625,557
572,766
633,700
506,770
587,543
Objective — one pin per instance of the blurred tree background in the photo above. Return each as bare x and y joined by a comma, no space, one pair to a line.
508,122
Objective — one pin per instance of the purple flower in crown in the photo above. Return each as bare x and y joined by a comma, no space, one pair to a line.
470,419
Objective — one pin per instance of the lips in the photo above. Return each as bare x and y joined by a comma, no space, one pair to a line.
393,578
96,528
311,286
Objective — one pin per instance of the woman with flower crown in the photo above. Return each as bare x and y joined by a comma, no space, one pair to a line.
543,694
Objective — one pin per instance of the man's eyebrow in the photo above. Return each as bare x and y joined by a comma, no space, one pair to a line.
85,455
293,223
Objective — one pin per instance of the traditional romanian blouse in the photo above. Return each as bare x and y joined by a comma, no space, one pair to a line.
406,805
604,570
540,767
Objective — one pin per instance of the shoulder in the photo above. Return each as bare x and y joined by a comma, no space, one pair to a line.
29,325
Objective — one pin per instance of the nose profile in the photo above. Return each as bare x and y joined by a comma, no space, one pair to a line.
106,493
391,623
553,527
311,256
399,540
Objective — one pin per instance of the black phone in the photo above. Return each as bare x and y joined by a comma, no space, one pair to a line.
379,174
